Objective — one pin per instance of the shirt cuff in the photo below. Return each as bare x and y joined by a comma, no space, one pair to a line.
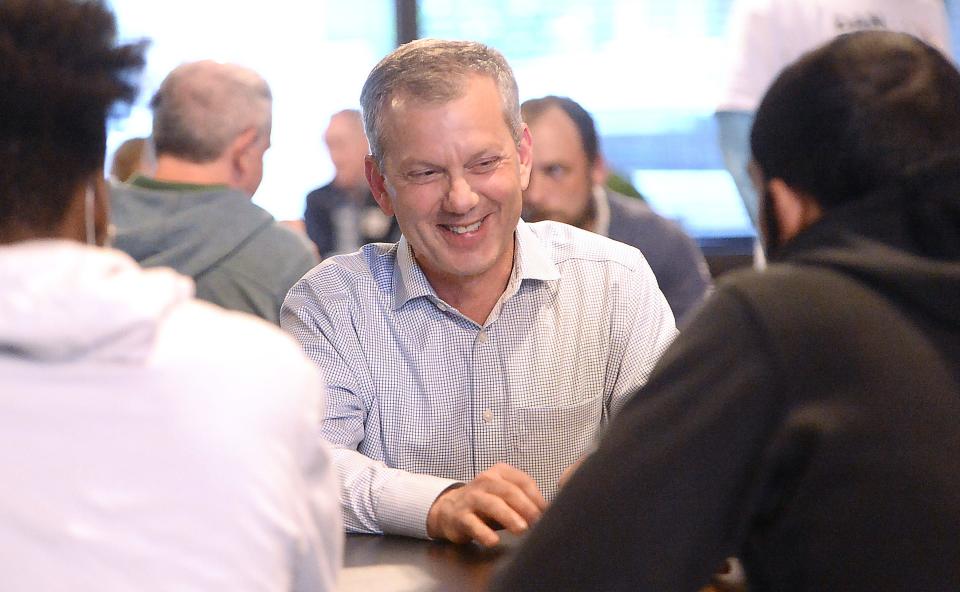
404,504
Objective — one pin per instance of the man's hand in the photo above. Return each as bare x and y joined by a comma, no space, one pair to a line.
500,497
569,471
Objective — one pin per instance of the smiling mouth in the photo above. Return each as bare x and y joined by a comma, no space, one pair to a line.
464,229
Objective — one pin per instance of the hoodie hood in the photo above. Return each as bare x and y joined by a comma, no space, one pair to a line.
906,246
188,228
64,301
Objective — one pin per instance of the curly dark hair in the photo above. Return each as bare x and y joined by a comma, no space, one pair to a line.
61,72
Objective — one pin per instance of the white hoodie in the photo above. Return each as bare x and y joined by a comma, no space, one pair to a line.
149,441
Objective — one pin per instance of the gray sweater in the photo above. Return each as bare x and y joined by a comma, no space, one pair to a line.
238,255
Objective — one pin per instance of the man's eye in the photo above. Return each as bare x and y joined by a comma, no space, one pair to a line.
554,170
485,165
423,175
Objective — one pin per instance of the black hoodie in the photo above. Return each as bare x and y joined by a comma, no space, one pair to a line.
807,420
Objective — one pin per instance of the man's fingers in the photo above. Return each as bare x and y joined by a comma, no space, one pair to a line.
569,471
514,496
471,528
533,493
501,496
522,481
491,507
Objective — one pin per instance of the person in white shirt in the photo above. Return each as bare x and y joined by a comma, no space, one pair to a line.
474,361
149,441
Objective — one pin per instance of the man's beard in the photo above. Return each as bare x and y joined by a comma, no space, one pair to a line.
534,215
584,219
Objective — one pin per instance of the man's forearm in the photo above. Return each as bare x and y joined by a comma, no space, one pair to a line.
378,499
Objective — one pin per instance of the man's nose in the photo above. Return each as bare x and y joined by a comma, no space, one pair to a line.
461,197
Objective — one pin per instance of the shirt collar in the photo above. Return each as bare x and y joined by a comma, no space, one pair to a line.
409,282
531,262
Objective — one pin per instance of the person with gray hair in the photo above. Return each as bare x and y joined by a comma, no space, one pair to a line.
434,71
211,128
474,361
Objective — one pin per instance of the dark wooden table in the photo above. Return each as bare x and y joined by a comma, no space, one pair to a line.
374,563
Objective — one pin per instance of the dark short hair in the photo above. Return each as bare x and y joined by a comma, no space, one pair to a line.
864,111
61,73
534,108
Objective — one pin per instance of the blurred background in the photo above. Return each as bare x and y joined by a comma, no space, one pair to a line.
648,70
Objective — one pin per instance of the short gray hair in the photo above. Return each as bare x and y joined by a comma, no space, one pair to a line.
434,71
201,107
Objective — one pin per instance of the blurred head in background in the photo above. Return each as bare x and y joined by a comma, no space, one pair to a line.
211,125
567,166
347,146
133,157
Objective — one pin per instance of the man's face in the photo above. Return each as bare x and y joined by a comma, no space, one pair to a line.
561,183
453,177
347,146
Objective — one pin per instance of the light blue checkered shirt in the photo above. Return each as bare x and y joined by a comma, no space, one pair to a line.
420,397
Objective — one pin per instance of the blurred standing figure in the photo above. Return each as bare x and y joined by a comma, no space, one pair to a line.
342,216
567,185
211,128
769,34
149,441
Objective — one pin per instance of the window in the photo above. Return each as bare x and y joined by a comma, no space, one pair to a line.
648,71
315,55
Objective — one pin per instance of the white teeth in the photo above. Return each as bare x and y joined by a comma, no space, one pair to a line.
465,229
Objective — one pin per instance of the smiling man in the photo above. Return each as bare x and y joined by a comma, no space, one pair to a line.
473,361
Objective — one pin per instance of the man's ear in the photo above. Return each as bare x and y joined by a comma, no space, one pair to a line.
241,151
378,184
525,156
793,210
599,171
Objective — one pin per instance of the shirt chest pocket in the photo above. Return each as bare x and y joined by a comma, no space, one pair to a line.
552,438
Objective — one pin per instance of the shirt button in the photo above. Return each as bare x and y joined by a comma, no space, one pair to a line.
482,337
487,416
